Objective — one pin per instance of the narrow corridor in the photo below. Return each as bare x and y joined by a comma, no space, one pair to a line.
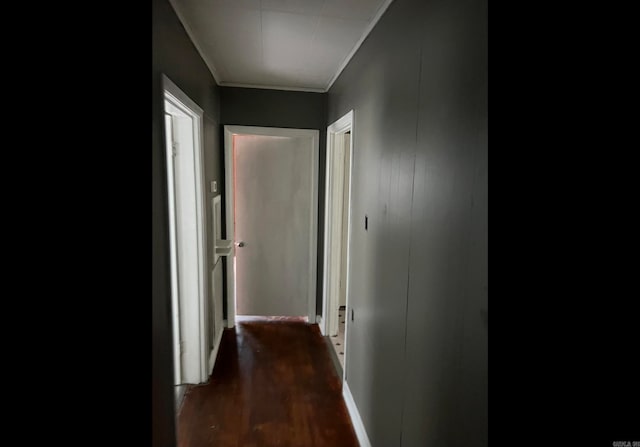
273,384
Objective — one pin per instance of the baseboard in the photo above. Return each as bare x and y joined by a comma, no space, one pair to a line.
214,355
319,321
334,357
180,391
358,426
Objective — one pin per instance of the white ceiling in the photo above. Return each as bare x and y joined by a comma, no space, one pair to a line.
283,44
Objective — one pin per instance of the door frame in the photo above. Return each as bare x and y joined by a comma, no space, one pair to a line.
218,323
229,173
173,94
330,300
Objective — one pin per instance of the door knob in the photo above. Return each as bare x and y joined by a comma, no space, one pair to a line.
240,244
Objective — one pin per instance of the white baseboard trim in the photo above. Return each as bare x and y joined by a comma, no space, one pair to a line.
319,321
214,353
180,392
358,426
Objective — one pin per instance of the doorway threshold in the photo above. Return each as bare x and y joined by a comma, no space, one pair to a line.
241,318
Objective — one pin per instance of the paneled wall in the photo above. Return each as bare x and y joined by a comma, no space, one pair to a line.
417,348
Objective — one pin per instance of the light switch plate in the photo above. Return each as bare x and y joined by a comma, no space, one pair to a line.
214,186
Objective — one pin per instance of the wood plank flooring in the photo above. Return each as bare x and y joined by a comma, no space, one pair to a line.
273,385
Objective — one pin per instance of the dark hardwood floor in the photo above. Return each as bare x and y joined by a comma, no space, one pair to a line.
273,384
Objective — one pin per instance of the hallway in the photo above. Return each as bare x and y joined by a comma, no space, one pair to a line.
273,384
409,79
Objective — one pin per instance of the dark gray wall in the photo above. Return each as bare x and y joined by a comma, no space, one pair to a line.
280,108
417,350
174,55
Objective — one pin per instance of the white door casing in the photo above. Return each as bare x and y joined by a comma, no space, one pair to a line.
187,203
339,166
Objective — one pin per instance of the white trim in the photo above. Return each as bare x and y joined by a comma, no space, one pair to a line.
335,205
173,247
343,124
230,231
320,325
217,200
356,420
201,208
383,8
178,98
218,324
180,391
276,132
340,126
273,87
208,62
351,116
349,226
229,132
192,109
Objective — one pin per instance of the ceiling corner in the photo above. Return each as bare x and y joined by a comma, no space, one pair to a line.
381,10
208,62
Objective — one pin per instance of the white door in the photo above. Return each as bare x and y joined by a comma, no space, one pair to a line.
187,245
188,239
173,245
275,210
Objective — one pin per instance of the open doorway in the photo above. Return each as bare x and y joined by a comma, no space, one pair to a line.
271,208
188,239
336,242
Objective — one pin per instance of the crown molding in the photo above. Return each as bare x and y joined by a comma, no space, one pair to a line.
273,87
208,62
